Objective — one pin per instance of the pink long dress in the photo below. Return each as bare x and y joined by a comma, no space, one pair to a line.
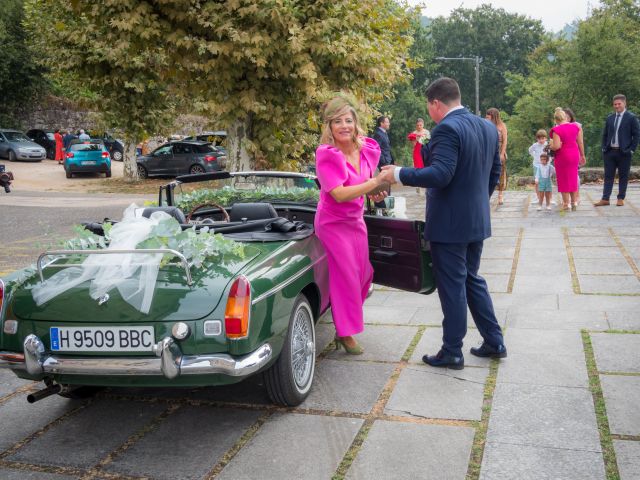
567,157
343,233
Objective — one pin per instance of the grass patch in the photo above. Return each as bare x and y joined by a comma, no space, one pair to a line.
608,452
351,454
477,449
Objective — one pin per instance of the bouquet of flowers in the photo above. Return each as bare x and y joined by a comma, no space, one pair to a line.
422,139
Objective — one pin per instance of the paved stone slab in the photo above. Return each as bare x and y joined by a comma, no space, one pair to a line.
20,419
557,320
545,255
15,474
628,459
389,315
542,283
325,334
596,302
627,231
598,252
294,446
496,265
528,265
9,383
600,266
502,241
525,301
548,369
607,241
543,416
203,435
86,438
617,352
347,386
502,461
624,320
541,232
424,391
586,232
378,297
498,252
497,283
543,342
408,299
553,243
501,231
380,343
396,451
621,394
611,284
431,342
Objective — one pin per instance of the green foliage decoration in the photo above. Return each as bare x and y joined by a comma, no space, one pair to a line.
196,246
227,196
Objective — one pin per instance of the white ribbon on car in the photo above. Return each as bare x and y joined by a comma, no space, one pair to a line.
133,274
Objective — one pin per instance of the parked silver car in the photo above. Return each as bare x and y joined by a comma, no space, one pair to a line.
15,145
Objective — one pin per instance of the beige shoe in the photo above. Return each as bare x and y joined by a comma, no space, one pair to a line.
620,203
601,203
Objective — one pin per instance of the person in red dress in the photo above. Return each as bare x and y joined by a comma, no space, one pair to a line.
418,138
58,139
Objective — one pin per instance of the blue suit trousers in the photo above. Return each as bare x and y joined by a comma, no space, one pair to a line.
455,266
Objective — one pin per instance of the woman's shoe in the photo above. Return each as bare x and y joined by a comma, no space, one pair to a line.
354,350
574,207
500,200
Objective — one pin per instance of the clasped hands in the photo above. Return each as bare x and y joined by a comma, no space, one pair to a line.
386,176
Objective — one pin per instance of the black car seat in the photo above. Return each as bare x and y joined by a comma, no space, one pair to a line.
175,212
252,211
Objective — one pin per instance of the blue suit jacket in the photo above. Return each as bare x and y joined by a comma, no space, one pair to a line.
464,171
382,137
628,132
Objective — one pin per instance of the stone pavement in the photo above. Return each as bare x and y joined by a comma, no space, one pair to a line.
563,405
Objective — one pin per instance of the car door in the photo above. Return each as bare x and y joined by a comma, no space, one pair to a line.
181,158
399,254
158,163
3,146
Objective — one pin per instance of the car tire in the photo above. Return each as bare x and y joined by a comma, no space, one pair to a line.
68,173
196,169
107,174
86,391
12,156
142,172
289,380
117,155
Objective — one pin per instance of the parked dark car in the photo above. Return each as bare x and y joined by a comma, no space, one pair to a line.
15,145
45,139
179,158
217,138
114,147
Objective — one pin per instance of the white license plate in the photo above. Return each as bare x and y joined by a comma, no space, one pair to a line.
88,162
101,339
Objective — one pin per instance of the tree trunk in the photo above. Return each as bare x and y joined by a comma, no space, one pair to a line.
238,159
130,170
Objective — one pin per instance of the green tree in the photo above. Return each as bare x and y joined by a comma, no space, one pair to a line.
503,40
21,79
261,67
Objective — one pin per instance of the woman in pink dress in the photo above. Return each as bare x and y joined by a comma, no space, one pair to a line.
345,164
58,139
566,141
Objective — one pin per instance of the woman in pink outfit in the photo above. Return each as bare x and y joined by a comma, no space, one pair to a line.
566,141
345,164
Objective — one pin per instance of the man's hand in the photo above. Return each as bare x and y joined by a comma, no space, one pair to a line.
387,175
378,197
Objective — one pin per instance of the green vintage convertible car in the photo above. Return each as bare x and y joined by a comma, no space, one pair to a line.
228,282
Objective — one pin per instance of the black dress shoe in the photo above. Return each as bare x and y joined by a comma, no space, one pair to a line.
486,350
442,359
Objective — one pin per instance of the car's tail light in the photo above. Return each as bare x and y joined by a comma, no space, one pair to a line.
236,315
105,154
70,155
210,158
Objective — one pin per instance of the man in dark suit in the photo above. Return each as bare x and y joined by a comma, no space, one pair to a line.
619,140
381,136
464,170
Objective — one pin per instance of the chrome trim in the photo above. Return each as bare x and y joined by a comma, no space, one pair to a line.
170,364
141,251
288,282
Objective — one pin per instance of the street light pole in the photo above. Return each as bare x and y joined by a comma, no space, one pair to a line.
477,61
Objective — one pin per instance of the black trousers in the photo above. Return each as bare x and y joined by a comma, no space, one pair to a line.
616,160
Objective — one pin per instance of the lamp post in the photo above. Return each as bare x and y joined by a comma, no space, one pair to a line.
477,61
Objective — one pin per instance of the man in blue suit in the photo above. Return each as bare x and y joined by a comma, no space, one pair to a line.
464,170
619,140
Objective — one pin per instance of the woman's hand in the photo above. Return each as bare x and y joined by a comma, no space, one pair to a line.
503,157
378,197
583,161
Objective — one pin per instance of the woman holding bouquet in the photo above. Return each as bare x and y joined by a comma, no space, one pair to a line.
418,138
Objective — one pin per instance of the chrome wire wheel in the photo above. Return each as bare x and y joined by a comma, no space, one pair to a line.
303,347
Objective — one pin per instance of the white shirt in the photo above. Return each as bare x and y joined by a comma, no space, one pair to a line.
396,172
614,140
535,151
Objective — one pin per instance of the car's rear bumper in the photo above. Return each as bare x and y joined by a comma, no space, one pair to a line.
100,168
169,362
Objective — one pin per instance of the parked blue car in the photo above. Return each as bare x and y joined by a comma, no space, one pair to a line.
87,157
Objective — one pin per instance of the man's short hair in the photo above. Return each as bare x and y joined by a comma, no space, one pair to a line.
620,97
444,89
380,119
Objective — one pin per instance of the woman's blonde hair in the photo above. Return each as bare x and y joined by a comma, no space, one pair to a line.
494,113
334,108
559,116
